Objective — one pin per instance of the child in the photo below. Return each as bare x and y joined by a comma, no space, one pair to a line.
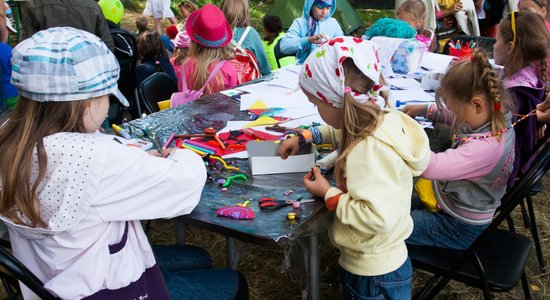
446,23
536,6
273,27
72,198
238,15
159,9
142,25
152,57
9,92
186,8
380,150
182,46
210,35
314,27
414,12
467,181
523,52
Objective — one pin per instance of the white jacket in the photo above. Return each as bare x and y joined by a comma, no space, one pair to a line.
93,185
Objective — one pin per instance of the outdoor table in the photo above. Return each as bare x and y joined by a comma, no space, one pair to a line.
268,228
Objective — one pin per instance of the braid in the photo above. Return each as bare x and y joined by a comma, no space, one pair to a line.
544,75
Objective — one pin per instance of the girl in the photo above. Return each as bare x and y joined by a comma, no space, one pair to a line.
273,27
536,6
238,16
186,8
72,198
522,48
152,57
182,46
210,35
467,181
159,9
414,12
380,150
315,26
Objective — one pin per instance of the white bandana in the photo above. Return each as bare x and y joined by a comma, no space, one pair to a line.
323,76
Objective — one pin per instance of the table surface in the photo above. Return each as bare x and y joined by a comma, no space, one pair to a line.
268,227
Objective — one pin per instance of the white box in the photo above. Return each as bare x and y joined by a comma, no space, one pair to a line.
263,159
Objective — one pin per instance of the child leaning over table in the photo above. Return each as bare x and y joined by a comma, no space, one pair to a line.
462,187
72,198
380,150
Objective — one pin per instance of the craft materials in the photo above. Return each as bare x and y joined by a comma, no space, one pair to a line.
213,133
234,177
476,137
244,204
291,215
201,145
193,149
236,212
122,132
328,162
270,203
223,162
201,149
169,141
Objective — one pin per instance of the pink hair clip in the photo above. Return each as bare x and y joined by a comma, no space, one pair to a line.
347,90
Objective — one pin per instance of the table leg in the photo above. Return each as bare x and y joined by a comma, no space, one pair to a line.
230,250
314,266
180,233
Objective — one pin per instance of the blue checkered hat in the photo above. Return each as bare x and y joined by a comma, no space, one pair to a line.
64,64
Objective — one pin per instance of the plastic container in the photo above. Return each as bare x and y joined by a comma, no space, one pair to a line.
164,104
461,53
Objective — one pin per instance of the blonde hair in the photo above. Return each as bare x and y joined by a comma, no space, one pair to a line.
189,6
359,120
179,55
532,42
469,78
236,12
205,59
22,133
415,8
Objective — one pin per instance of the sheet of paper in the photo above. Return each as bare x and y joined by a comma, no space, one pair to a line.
435,62
387,48
403,83
294,100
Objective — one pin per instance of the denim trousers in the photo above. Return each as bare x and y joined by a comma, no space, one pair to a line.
393,285
439,229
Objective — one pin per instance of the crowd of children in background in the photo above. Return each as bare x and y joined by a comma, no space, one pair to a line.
199,54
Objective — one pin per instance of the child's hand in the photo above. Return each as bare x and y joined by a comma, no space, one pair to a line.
316,184
457,7
414,110
288,147
543,111
317,39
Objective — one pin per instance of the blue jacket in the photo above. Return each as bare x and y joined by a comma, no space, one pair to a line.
5,57
295,40
253,42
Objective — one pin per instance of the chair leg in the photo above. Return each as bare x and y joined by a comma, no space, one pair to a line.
524,214
510,222
426,288
525,285
535,233
440,285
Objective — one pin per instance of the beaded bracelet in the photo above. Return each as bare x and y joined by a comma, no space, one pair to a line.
304,138
429,111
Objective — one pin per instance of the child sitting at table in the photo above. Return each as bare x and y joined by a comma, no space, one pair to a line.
152,57
380,150
462,186
72,198
414,12
522,48
315,26
210,35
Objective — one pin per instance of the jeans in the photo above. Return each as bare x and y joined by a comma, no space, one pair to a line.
441,230
393,285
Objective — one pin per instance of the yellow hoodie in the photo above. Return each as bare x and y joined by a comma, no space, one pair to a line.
373,216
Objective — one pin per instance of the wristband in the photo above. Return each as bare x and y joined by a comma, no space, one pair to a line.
429,111
332,202
304,137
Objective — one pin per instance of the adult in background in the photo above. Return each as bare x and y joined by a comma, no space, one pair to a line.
159,9
80,14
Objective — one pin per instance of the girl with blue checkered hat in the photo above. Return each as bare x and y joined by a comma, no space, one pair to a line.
72,198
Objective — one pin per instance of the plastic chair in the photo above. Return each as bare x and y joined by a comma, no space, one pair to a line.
15,271
155,88
279,54
495,261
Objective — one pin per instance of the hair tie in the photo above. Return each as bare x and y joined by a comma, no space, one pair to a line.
497,106
347,90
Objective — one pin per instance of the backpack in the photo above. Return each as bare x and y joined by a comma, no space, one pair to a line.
187,95
244,61
126,54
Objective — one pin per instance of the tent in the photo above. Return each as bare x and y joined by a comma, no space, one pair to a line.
288,10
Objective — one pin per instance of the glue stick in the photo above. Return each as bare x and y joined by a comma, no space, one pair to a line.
326,163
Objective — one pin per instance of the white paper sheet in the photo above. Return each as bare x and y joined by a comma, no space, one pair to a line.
295,100
403,83
435,62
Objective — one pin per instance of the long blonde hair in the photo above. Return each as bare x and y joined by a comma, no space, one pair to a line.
469,78
205,60
237,12
22,133
359,120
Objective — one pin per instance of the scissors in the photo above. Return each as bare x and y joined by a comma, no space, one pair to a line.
270,203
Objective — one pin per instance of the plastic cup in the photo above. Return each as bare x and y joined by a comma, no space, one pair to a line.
461,53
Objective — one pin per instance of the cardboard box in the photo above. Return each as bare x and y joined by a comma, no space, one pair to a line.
263,159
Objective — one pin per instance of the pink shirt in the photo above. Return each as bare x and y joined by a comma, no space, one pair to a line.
227,71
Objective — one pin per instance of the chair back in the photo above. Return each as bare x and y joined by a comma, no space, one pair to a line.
155,88
17,270
279,54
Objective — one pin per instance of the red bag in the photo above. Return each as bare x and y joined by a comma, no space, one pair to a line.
245,61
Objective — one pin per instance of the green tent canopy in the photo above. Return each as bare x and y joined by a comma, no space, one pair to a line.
288,10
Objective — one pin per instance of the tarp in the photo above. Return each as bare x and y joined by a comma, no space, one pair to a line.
288,10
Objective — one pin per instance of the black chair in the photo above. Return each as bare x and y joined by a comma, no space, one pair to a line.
486,43
14,271
495,261
155,88
279,54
